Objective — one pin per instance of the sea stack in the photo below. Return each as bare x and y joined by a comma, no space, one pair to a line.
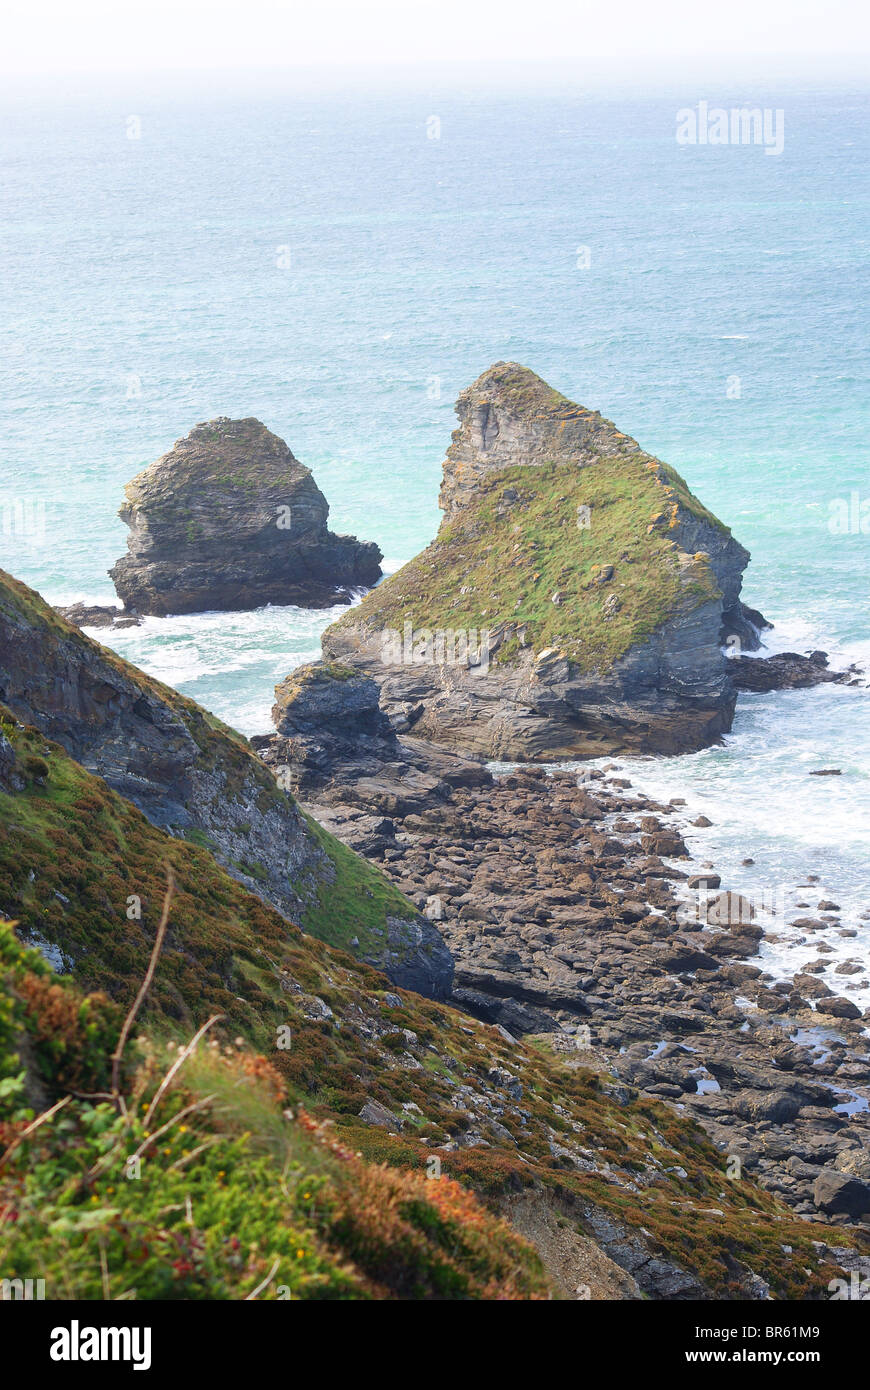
578,599
228,519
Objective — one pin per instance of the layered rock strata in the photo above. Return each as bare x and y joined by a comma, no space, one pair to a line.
191,775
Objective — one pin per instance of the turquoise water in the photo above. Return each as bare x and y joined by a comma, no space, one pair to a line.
143,292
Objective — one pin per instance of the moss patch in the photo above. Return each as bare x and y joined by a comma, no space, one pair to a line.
502,560
355,903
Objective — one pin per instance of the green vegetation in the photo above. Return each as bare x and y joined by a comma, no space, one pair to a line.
501,560
234,1191
355,903
212,1191
334,671
345,895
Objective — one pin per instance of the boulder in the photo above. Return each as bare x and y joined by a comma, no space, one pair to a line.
776,1107
373,1113
838,1007
704,880
856,1162
837,1193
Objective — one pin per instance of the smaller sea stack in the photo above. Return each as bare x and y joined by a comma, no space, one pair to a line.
228,519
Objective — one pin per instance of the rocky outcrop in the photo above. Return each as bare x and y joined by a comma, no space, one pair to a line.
788,671
230,520
337,746
98,615
400,1090
575,601
191,775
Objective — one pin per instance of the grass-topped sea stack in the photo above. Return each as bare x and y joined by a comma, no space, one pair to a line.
230,520
575,600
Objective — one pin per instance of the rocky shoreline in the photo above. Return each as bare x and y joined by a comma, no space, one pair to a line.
563,899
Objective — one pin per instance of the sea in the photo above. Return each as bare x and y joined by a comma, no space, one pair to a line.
340,259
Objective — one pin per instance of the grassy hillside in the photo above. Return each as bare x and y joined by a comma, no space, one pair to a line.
257,1170
242,816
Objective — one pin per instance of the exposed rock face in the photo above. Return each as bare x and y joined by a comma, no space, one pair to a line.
191,775
787,671
230,520
565,921
339,747
575,601
331,716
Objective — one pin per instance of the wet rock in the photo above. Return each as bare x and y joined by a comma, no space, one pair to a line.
704,880
94,615
784,671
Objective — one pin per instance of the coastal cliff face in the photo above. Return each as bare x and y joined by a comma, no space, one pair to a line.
230,520
574,602
191,775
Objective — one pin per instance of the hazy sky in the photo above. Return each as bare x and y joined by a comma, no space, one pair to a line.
139,35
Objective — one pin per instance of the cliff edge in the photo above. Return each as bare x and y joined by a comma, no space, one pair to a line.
191,775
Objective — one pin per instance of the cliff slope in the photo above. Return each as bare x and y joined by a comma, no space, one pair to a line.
190,774
236,1193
